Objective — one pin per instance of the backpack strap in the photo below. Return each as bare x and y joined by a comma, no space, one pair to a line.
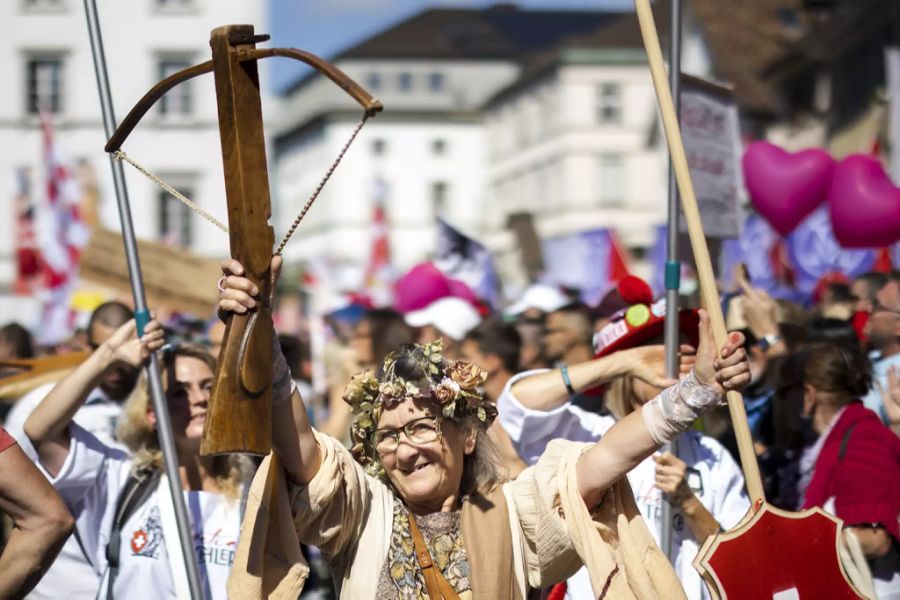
845,441
134,493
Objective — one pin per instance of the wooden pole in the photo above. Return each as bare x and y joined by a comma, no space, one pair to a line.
708,291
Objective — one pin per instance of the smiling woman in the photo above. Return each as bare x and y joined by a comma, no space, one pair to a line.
420,509
410,425
187,372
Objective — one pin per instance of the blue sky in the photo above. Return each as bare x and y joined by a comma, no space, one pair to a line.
325,27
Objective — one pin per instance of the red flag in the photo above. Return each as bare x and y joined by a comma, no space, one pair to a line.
883,262
28,260
618,259
379,278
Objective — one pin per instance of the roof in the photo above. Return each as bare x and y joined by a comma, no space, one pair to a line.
501,32
744,38
847,25
615,41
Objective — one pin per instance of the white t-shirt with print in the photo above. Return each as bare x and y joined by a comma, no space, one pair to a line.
92,478
714,476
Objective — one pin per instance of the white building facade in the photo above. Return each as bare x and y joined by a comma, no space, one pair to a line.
49,64
576,149
484,119
428,154
425,156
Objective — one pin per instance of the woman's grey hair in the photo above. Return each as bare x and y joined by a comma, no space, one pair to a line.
483,469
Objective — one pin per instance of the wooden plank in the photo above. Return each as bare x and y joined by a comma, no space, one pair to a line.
175,279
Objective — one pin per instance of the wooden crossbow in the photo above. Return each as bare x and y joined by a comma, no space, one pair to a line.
239,415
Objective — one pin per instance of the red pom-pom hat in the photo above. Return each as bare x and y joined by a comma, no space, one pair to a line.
642,321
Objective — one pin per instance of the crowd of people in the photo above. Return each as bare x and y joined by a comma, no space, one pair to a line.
454,451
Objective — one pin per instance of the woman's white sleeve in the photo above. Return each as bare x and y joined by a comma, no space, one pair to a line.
86,465
329,512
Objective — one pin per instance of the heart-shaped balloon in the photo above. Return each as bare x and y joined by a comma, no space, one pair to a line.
786,187
865,204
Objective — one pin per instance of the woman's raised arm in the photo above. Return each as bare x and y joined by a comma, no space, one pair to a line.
48,426
292,437
644,431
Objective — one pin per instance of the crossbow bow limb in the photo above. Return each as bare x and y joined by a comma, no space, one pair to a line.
239,415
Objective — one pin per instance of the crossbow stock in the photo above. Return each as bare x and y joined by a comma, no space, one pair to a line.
239,415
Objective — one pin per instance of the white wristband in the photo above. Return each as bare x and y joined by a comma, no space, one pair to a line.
677,407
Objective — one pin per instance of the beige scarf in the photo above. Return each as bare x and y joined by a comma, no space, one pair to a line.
484,522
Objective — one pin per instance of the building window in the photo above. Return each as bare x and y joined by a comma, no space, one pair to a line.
175,218
436,82
373,82
43,6
438,146
379,147
174,5
611,184
405,81
45,84
609,103
176,101
440,190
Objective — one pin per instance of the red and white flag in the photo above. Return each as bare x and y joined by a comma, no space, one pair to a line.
28,258
61,235
379,276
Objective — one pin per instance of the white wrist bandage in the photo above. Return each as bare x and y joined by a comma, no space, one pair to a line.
677,407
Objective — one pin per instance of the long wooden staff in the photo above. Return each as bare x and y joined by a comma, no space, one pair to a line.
708,291
771,551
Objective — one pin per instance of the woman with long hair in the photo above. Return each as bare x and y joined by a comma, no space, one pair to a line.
853,469
124,512
418,508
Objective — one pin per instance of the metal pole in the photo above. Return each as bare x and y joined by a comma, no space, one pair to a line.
141,313
673,267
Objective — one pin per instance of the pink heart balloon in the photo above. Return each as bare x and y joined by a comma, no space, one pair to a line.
784,187
864,203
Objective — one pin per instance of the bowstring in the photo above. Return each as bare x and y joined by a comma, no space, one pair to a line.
120,155
322,183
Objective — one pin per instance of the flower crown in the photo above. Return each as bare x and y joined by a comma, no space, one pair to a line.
452,385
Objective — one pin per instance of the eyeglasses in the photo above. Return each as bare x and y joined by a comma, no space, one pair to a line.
423,430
